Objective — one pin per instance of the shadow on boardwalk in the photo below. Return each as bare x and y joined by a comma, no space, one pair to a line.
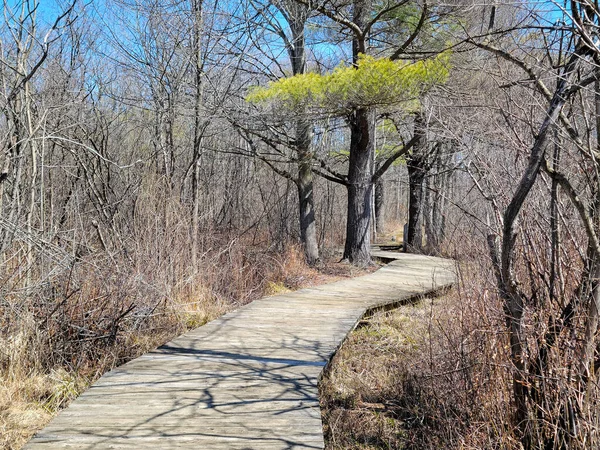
245,381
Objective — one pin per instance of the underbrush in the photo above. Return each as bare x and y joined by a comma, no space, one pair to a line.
59,336
430,375
460,372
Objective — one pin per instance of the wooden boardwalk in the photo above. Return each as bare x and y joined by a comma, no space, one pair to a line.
245,381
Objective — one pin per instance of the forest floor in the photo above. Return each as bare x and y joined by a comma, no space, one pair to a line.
371,394
394,235
30,397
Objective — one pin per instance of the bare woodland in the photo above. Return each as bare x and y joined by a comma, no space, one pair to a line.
138,181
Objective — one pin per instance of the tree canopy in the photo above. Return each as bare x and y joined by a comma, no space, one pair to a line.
371,82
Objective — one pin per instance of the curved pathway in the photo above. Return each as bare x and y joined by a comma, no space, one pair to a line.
247,380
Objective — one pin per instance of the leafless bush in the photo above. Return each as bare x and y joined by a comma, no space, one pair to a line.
440,374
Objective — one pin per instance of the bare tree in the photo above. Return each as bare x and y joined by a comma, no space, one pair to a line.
297,138
558,86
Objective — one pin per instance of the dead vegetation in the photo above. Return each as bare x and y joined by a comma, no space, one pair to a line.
427,376
55,343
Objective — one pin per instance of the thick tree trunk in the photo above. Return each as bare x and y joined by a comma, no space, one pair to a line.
360,188
308,228
417,169
304,182
360,170
427,214
416,177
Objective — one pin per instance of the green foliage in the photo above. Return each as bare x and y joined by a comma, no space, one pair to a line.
400,21
372,82
386,150
386,126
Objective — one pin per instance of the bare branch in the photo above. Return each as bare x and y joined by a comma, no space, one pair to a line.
397,154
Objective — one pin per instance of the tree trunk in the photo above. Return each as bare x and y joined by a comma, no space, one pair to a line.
308,228
417,169
360,170
427,214
380,206
436,189
416,177
360,188
304,182
198,127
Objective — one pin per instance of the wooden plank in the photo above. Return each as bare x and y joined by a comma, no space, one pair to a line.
248,380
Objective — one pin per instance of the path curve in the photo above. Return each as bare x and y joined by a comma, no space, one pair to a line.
247,380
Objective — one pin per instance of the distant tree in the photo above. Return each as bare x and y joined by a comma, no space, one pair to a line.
355,92
25,46
285,20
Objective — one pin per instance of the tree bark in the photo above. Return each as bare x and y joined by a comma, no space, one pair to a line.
416,177
435,191
360,188
308,228
360,170
379,206
417,168
198,126
304,182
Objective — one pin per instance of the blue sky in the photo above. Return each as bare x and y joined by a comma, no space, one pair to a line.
47,10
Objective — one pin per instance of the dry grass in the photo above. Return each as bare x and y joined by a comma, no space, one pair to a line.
393,235
64,338
416,377
29,402
361,391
